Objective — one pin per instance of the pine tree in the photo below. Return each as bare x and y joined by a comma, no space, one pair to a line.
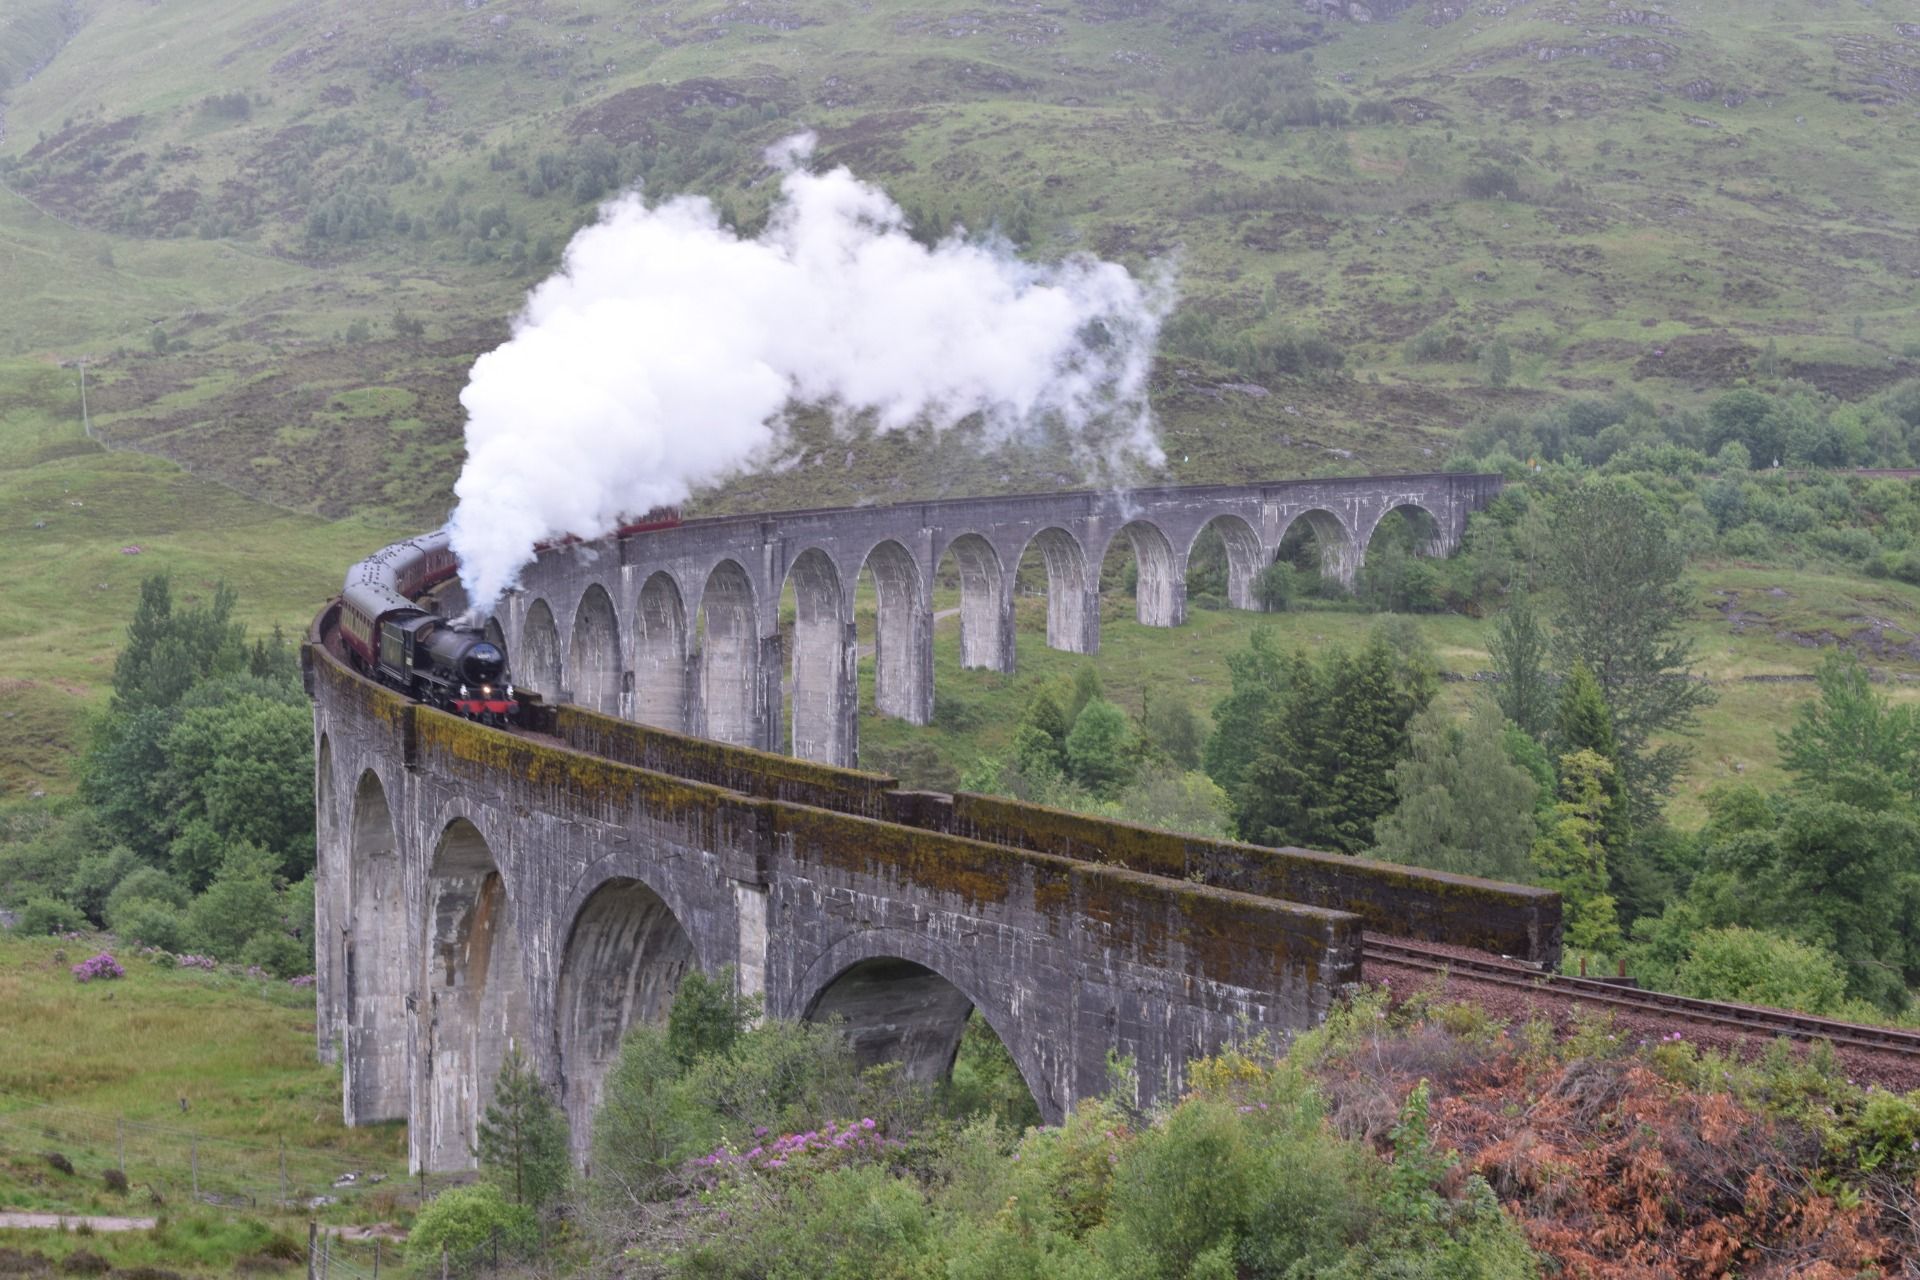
1086,687
1257,680
1040,742
523,1136
1321,773
1582,722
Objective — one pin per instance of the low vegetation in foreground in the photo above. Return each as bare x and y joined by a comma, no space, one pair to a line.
1411,1139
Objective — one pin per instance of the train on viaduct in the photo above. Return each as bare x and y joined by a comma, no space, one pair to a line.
547,885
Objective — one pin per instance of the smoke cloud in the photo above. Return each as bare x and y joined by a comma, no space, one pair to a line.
665,352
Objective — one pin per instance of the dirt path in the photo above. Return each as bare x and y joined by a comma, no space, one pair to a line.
13,1220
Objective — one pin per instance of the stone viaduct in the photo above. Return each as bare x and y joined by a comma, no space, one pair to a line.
549,887
679,628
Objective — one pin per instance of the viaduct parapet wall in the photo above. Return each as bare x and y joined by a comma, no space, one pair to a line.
549,887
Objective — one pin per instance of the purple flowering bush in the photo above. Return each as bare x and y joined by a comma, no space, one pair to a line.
813,1151
102,966
199,962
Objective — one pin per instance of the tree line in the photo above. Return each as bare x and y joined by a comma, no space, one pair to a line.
193,829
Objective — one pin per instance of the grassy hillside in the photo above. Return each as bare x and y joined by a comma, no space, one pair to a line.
278,236
1641,196
84,525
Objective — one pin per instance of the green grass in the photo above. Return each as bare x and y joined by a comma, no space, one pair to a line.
238,1051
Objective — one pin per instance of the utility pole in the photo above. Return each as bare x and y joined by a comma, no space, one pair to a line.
86,422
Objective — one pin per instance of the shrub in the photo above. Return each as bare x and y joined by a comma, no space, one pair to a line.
1491,182
856,1223
146,884
466,1222
1097,747
1275,587
280,954
96,876
44,915
1171,725
1755,967
149,923
102,967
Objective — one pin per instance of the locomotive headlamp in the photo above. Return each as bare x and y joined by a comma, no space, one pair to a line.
486,691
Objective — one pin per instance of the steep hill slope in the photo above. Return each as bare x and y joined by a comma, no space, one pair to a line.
242,208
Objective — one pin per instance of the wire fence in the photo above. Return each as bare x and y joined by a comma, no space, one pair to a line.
169,1164
331,1257
340,1258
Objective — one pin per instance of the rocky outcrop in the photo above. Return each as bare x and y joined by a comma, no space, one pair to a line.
1357,10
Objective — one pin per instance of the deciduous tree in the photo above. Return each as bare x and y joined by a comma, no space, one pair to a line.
1464,805
1519,648
1615,568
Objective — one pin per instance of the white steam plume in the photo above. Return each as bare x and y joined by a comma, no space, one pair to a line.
664,352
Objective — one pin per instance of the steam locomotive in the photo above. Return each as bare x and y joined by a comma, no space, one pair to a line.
442,663
427,657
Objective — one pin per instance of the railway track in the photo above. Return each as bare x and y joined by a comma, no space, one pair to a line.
1744,1017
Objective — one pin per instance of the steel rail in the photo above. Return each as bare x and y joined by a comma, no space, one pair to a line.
1746,1017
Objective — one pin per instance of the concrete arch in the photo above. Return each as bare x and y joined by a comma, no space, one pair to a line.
903,635
1160,592
730,656
1245,558
823,696
593,675
986,623
537,665
1339,550
623,961
475,997
326,823
904,1001
374,961
1422,518
1073,618
660,655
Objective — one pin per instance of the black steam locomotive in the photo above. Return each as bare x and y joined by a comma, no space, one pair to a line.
389,637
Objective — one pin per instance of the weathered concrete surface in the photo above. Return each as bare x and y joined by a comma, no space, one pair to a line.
526,893
680,627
